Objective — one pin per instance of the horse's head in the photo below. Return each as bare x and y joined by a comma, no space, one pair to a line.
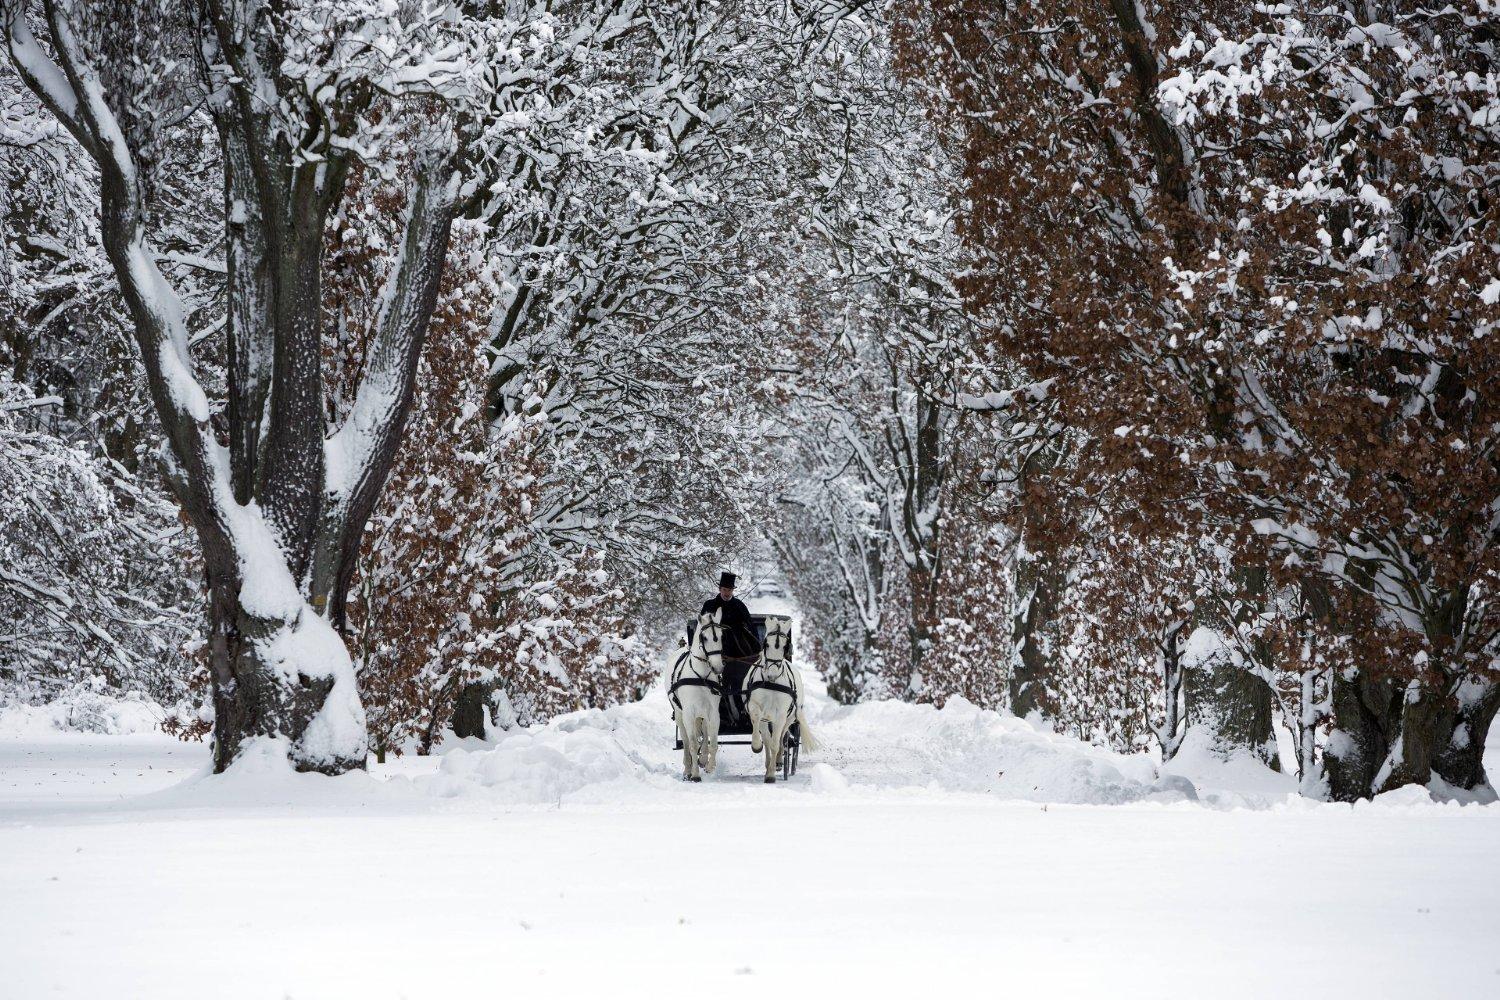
708,641
778,638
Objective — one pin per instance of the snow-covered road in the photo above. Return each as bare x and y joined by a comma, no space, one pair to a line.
918,849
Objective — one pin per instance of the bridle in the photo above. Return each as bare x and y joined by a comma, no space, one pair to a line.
782,637
700,653
761,676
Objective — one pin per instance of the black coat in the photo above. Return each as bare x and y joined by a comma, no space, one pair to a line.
739,638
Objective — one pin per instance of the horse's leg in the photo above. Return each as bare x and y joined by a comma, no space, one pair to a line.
697,748
778,742
754,728
689,748
683,739
713,747
770,752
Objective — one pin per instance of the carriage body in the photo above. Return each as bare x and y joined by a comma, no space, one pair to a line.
734,718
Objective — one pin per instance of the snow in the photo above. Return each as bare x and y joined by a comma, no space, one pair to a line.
921,849
313,648
268,590
108,716
303,644
1204,648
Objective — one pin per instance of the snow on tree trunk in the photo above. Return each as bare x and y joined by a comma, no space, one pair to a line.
1460,760
1227,706
1039,582
280,508
1169,735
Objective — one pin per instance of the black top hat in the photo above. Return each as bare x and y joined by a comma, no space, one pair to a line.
726,580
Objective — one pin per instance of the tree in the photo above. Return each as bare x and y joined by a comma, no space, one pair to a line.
1352,289
278,503
90,575
1238,259
878,367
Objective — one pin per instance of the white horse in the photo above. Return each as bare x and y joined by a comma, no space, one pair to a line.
695,676
774,697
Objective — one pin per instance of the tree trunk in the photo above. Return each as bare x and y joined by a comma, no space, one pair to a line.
1387,735
920,520
1309,718
1039,589
253,697
471,710
1460,760
919,631
1171,669
1358,742
1423,724
1225,697
1232,707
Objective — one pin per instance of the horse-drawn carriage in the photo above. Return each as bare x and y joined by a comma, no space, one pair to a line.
734,712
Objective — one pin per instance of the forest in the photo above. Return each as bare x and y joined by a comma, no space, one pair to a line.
1129,367
1106,392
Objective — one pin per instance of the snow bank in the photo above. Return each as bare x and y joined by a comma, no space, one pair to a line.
623,757
263,775
591,756
85,708
1241,779
625,753
962,748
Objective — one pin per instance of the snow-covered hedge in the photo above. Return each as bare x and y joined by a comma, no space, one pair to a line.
95,578
89,706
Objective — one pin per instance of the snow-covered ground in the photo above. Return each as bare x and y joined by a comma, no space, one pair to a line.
919,849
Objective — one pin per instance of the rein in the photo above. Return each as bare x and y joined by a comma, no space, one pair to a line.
700,653
761,683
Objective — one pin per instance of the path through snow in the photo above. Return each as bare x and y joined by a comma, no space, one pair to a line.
919,850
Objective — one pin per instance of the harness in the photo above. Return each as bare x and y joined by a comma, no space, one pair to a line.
761,684
693,681
776,629
680,680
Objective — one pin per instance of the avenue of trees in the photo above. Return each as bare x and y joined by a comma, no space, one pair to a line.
375,368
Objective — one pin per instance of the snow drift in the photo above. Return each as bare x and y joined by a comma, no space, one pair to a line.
623,757
868,749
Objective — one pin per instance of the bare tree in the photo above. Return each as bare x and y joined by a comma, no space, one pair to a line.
279,500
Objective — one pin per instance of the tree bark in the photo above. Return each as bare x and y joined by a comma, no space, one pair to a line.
920,520
1388,734
1460,759
254,698
1171,665
471,710
1233,707
1357,746
1435,722
1033,634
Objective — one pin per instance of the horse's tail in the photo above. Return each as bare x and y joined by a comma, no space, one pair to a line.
804,731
